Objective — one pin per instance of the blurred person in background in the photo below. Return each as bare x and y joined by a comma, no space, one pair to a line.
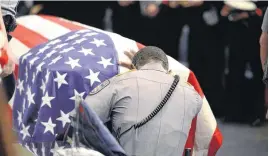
7,24
206,48
244,92
8,10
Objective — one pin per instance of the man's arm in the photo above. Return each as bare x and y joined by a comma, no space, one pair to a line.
264,40
99,100
9,7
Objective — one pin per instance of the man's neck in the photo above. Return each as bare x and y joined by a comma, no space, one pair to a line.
153,66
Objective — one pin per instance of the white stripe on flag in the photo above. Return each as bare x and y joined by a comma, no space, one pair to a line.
179,69
205,127
46,28
17,50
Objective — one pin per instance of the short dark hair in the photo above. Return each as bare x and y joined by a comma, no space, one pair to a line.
149,54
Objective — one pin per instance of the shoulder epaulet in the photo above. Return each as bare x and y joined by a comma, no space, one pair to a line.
126,72
172,73
100,87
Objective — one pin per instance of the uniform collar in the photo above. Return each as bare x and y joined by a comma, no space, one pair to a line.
153,66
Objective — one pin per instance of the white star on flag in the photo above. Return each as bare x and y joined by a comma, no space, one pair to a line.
31,62
30,97
83,31
28,90
72,37
60,79
23,105
34,149
77,94
69,140
42,50
66,50
39,67
27,147
48,55
43,86
60,46
47,76
86,51
25,56
56,148
54,42
56,60
64,118
79,40
20,86
49,126
25,131
93,77
33,79
46,100
19,117
98,43
91,34
105,62
26,74
73,63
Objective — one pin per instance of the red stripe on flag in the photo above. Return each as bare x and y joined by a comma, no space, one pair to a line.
139,45
16,71
193,81
28,37
215,143
67,24
191,136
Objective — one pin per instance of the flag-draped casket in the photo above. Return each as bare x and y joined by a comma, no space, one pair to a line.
57,59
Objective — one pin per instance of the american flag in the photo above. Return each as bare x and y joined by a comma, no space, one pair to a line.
51,74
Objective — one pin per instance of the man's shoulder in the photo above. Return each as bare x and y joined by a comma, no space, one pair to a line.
125,73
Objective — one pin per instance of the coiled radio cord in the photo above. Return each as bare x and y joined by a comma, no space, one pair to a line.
156,110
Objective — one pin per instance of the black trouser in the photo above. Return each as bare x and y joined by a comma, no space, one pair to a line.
244,98
206,58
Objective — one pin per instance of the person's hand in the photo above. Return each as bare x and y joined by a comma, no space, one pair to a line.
173,4
239,16
125,3
130,54
36,9
152,10
7,69
191,3
225,11
185,4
